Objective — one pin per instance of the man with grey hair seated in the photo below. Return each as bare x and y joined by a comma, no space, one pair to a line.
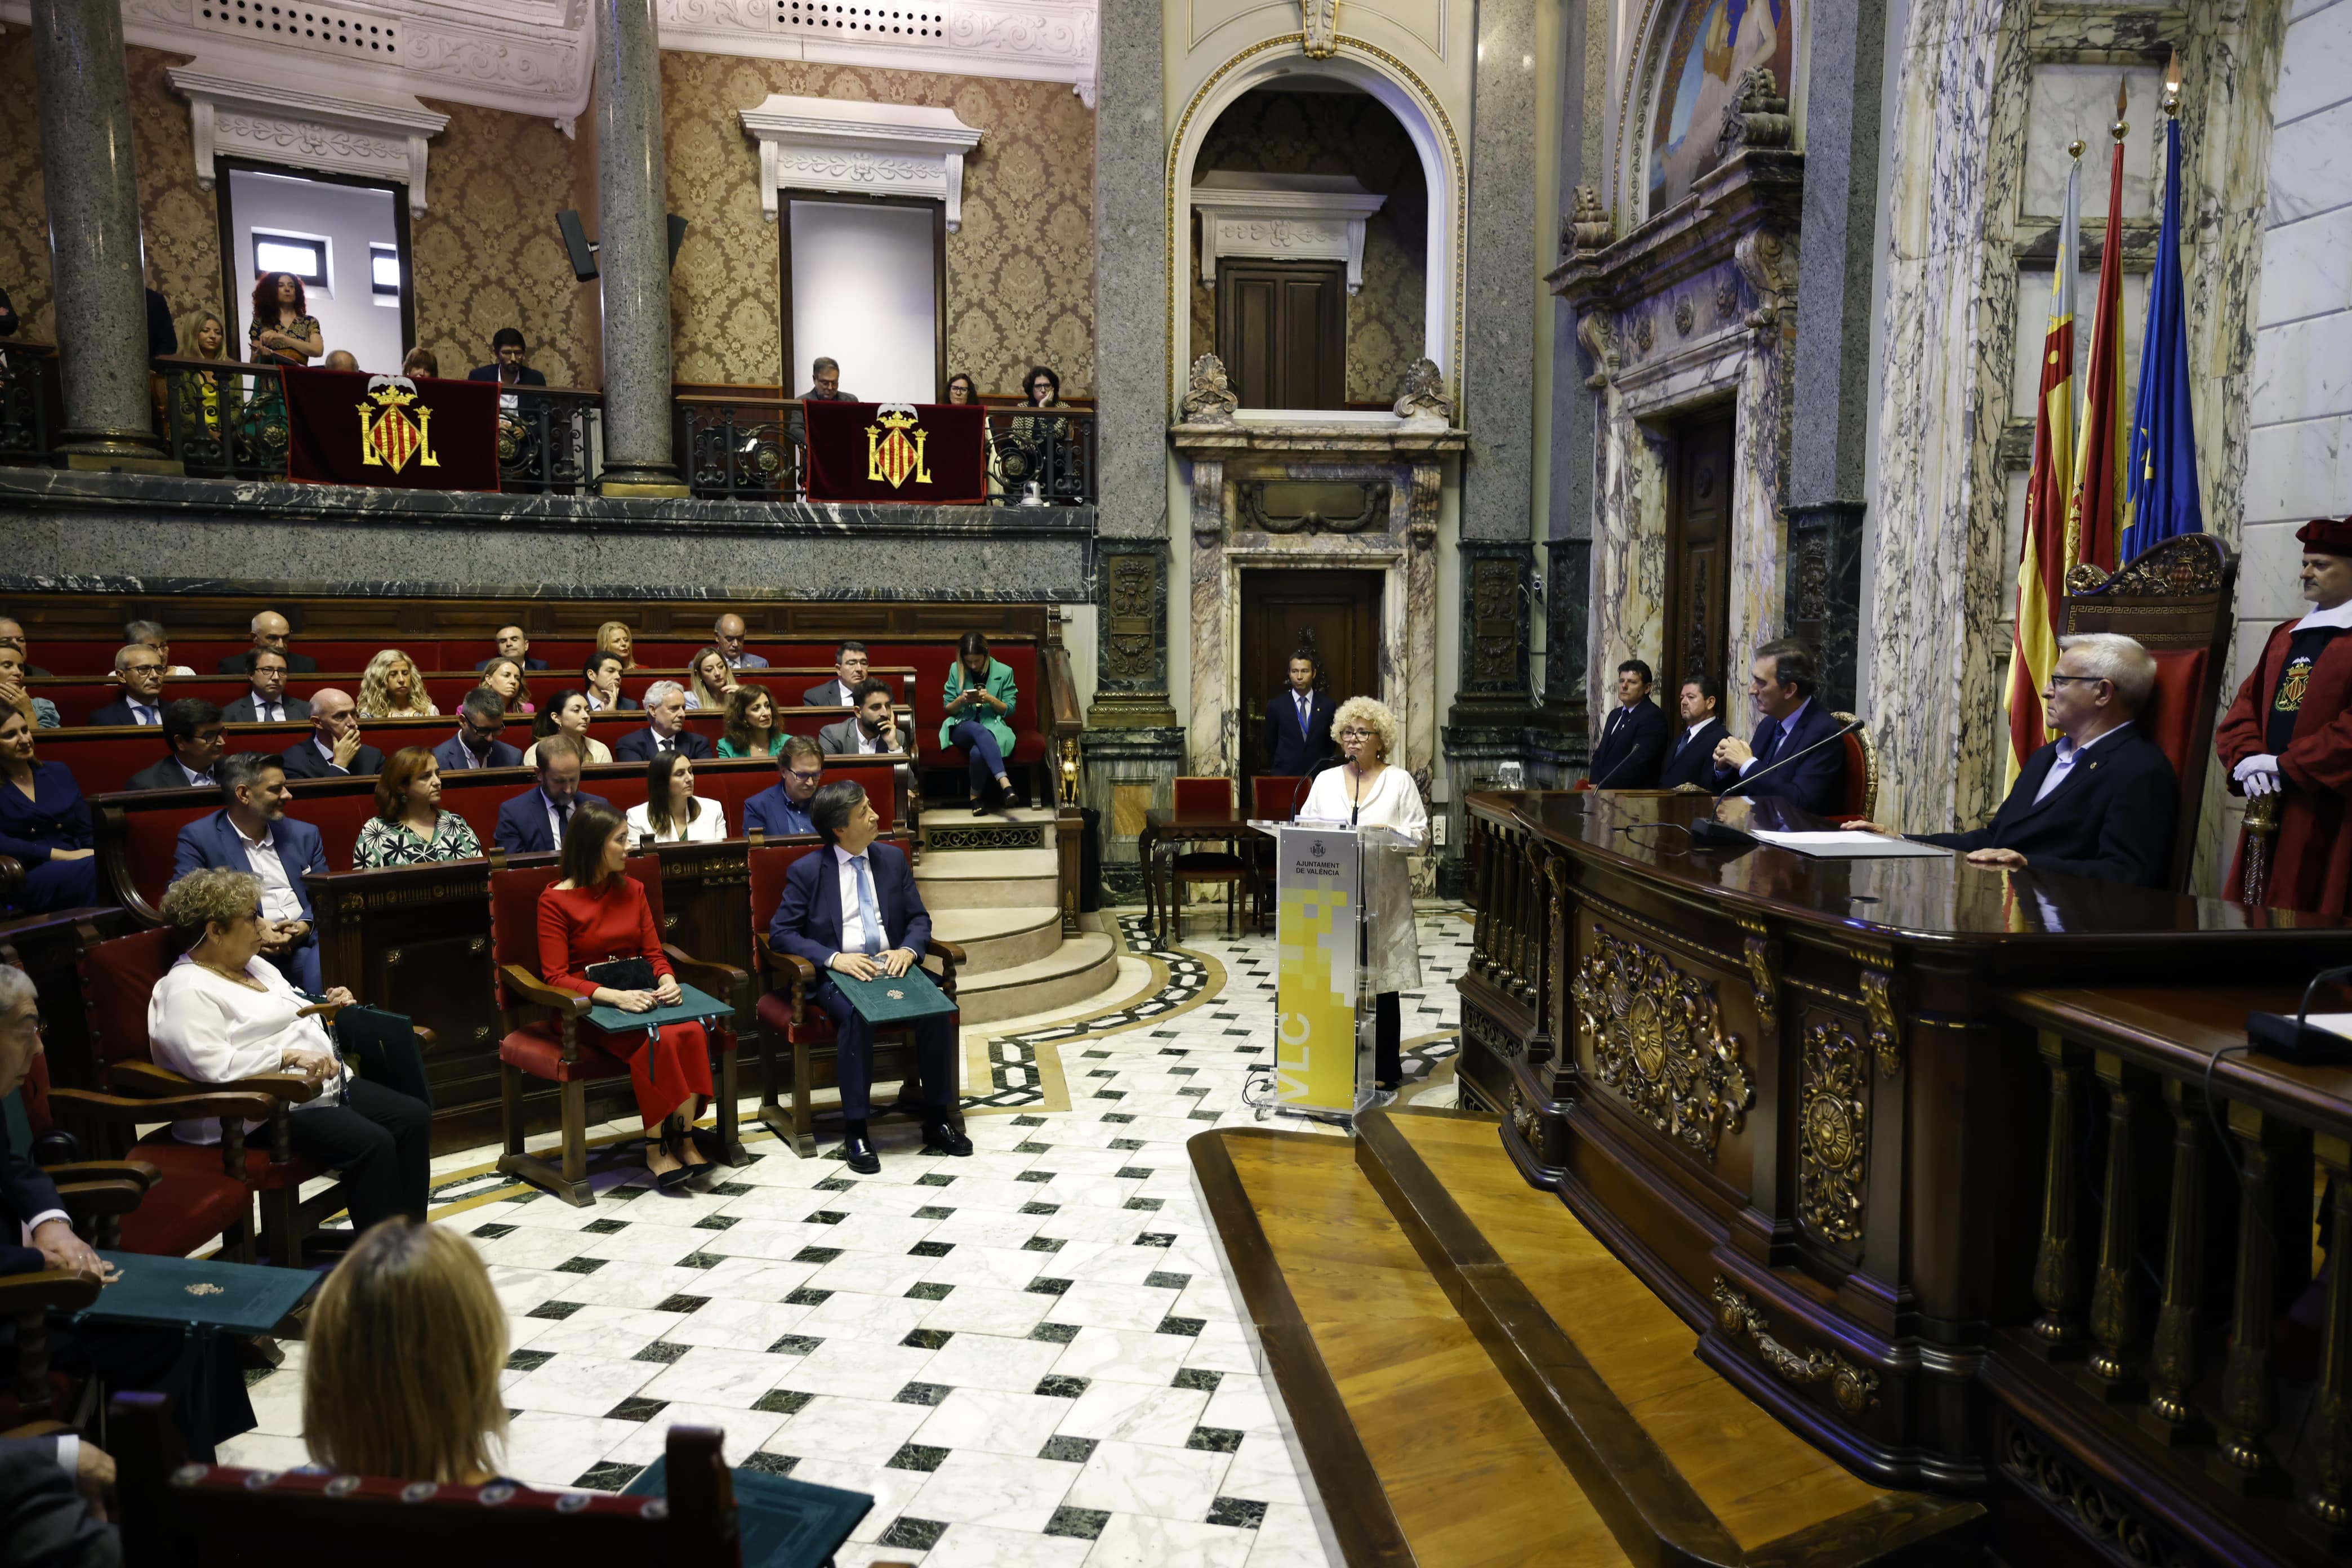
150,634
2102,799
664,729
824,387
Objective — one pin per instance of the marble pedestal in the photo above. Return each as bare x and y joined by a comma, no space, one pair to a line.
1127,773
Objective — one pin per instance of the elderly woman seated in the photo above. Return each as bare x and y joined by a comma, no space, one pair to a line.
224,1013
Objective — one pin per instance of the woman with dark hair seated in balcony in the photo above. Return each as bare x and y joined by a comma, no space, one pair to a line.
1035,448
980,699
45,825
751,729
566,711
409,827
962,388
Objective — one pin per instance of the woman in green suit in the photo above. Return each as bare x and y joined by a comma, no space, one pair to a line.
980,698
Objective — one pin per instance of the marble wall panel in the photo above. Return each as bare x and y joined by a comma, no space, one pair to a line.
2077,103
2307,267
2311,162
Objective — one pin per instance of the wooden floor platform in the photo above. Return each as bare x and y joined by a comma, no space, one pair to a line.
1473,1379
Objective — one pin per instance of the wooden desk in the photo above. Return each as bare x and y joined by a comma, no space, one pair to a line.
1179,827
1839,1114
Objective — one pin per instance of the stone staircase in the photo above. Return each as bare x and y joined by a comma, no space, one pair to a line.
993,884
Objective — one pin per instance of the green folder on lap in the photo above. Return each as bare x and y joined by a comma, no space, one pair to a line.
780,1523
887,1000
693,1006
198,1293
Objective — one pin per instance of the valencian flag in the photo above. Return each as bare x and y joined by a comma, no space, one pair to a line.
347,428
2099,459
2162,469
2042,563
928,454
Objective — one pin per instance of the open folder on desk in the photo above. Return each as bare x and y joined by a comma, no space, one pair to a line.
1842,844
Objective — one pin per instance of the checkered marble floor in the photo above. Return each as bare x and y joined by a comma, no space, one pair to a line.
1030,1356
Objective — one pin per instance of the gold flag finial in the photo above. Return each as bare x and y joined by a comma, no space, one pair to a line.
2074,151
2171,99
2122,127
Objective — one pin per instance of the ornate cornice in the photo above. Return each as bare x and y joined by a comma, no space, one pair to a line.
844,146
1020,40
378,134
1756,189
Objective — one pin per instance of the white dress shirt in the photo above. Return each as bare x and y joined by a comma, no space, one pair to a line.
2339,617
868,745
2069,754
269,709
709,824
206,1027
144,712
852,923
279,902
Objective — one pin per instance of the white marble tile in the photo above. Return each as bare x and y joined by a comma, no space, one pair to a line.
266,1451
2302,371
1243,1403
891,1490
552,1450
615,1333
1286,1537
2078,102
753,1279
747,1430
990,1228
580,1385
2293,473
1000,1489
856,1431
276,1403
520,1290
1136,1541
1123,1355
988,1310
990,1361
706,1376
1135,1478
983,1546
2316,67
853,1315
871,1273
1264,1472
1222,1347
857,1370
730,1324
2310,170
774,1239
1008,1267
526,1248
994,1421
1135,1413
1099,1304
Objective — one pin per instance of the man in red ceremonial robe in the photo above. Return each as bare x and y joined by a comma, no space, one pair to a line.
2290,730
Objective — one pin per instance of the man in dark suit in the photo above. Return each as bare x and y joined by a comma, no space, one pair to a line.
1633,738
269,631
824,387
333,749
664,730
140,668
265,702
852,906
1297,738
253,834
872,728
1782,682
192,735
505,366
849,665
2101,800
727,634
482,720
52,1492
535,819
514,643
782,809
1690,756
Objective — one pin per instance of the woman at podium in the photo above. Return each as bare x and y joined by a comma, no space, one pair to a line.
1369,790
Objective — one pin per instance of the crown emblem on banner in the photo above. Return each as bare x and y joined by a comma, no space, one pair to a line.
898,455
392,433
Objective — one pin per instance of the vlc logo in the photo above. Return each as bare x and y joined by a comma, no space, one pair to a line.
898,455
391,432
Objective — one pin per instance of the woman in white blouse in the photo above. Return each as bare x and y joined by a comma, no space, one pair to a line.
1369,791
566,711
673,813
224,1013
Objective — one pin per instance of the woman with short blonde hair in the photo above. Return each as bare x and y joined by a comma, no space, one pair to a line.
390,689
616,637
400,1376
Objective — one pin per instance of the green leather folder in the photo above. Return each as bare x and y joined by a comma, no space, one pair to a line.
383,1045
780,1522
196,1293
693,1006
884,1001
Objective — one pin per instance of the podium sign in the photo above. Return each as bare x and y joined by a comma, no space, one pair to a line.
1318,896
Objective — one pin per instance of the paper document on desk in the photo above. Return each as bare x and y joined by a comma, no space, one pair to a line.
1842,845
2334,1023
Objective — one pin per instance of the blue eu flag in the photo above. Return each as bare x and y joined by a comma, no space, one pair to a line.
2161,469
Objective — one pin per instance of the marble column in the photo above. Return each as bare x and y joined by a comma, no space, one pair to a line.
92,184
1498,315
633,255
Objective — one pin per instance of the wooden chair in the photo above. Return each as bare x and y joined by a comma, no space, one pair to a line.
790,1019
1208,797
217,1516
1860,774
543,1030
2173,599
1273,798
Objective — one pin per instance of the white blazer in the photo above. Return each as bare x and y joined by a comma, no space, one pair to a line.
709,824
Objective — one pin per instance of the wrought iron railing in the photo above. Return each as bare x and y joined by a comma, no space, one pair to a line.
739,447
28,401
1041,457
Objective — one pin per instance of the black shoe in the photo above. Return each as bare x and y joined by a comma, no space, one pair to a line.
942,1137
859,1156
1011,800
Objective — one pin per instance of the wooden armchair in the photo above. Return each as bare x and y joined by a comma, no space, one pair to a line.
1273,798
542,1031
789,1018
1209,797
1860,774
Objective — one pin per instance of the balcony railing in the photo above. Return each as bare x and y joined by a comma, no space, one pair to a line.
739,443
29,408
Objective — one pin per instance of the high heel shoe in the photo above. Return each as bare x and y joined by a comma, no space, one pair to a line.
673,1182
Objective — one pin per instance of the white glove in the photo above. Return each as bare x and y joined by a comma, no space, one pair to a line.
2257,776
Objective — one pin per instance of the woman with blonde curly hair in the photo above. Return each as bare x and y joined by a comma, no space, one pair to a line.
1369,791
616,637
390,689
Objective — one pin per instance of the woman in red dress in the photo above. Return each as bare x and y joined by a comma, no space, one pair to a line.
598,913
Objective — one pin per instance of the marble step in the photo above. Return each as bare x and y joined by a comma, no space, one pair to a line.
995,939
989,878
954,827
1083,966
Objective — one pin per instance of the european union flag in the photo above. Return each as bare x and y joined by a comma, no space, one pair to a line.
2162,468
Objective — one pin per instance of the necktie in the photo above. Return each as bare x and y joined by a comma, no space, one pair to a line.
563,821
867,914
1306,715
1772,744
144,715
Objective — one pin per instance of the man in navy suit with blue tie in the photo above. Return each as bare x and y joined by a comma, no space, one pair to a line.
1782,682
852,908
253,834
535,819
1298,724
1633,738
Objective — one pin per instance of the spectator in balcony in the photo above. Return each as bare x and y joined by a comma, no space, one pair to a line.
8,316
140,668
603,675
201,398
12,634
504,676
270,630
282,332
421,361
481,720
615,637
333,749
162,337
1035,448
514,643
265,702
708,681
390,688
409,827
824,387
980,699
45,825
38,711
783,808
664,729
341,359
962,389
566,713
751,729
192,740
507,351
849,667
251,833
727,631
153,635
673,813
534,820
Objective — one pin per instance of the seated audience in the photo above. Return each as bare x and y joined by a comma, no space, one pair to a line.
962,388
390,688
481,720
871,728
421,362
194,737
1632,743
269,631
1782,682
853,907
2101,800
615,637
264,700
751,730
782,809
514,643
849,666
727,631
221,1014
407,1297
598,913
341,359
38,711
409,827
507,367
673,813
333,749
567,711
53,1491
12,634
602,676
980,698
44,826
504,677
152,632
253,834
709,681
1690,756
664,729
824,387
534,821
140,668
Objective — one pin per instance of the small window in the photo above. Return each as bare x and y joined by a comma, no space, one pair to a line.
306,258
384,273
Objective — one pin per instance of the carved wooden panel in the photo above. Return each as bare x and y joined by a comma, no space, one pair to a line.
1833,1133
1656,1038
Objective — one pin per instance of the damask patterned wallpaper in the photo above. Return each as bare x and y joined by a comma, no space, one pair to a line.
1019,284
1337,134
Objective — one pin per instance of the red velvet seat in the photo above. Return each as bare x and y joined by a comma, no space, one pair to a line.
1209,797
1861,798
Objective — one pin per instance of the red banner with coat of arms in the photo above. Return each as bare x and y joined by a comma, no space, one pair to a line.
927,454
348,427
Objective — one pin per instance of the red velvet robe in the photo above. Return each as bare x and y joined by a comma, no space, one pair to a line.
2311,859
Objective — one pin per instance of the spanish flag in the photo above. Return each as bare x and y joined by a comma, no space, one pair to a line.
2099,459
2042,563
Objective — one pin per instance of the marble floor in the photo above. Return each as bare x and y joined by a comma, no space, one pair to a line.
1030,1356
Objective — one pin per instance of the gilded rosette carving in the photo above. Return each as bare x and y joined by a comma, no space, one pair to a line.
1833,1134
1855,1388
1657,1038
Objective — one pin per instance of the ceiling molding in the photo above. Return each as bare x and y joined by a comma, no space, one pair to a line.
1018,41
1284,217
847,147
379,135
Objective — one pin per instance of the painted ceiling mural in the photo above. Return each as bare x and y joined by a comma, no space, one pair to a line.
1712,44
